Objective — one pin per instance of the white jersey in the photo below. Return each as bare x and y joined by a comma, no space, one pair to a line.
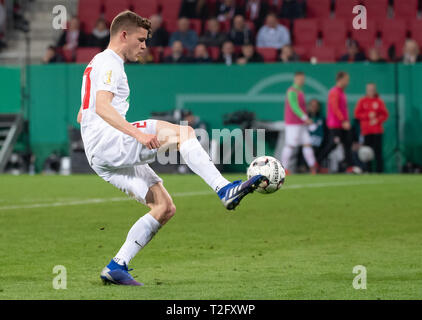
104,72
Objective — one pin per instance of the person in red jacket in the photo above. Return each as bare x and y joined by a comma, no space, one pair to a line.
372,113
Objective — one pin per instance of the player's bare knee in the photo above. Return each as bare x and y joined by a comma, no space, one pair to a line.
166,210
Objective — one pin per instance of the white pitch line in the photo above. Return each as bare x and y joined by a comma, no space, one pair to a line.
177,194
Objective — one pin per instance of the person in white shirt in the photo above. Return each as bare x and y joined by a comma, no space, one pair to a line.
119,151
272,34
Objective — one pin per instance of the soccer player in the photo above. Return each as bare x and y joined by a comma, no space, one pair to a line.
296,122
372,113
338,124
119,151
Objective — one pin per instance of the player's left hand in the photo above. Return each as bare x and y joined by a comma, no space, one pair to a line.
150,141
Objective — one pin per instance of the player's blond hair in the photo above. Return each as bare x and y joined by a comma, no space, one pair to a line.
128,20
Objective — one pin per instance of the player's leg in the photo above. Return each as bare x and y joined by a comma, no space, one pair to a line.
162,209
307,150
199,162
332,142
290,144
144,185
197,159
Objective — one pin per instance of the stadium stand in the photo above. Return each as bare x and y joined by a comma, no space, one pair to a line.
324,31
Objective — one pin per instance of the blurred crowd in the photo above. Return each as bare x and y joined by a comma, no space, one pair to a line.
229,34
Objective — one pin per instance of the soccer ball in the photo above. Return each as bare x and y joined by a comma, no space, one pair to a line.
365,154
272,169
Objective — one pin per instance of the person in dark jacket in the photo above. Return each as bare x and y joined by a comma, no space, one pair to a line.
100,35
249,55
177,55
213,37
240,33
73,37
227,55
354,53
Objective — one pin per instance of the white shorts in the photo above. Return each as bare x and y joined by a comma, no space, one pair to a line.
123,162
297,135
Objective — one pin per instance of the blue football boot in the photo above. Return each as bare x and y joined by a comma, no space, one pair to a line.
232,194
115,273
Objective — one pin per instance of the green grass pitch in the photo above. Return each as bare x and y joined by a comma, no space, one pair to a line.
299,243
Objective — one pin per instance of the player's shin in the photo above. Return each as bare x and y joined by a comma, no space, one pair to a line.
138,237
200,162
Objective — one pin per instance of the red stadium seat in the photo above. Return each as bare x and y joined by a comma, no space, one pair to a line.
156,53
251,26
269,54
113,7
68,55
406,9
393,32
196,24
214,53
170,9
416,30
303,52
344,9
85,55
145,8
366,37
318,8
323,54
225,26
170,25
377,10
334,32
305,32
88,13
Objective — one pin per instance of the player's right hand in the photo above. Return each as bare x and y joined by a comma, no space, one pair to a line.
309,121
149,140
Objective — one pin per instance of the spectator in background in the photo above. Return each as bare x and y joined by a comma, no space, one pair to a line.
177,55
213,37
160,36
292,9
226,10
100,35
287,54
317,128
201,54
249,55
411,52
188,37
272,34
227,55
240,33
374,56
338,123
372,113
194,9
354,54
52,56
73,37
256,11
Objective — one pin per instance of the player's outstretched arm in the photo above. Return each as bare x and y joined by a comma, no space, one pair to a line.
109,114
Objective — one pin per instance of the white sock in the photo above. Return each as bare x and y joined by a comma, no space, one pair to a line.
308,154
139,235
286,155
200,162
